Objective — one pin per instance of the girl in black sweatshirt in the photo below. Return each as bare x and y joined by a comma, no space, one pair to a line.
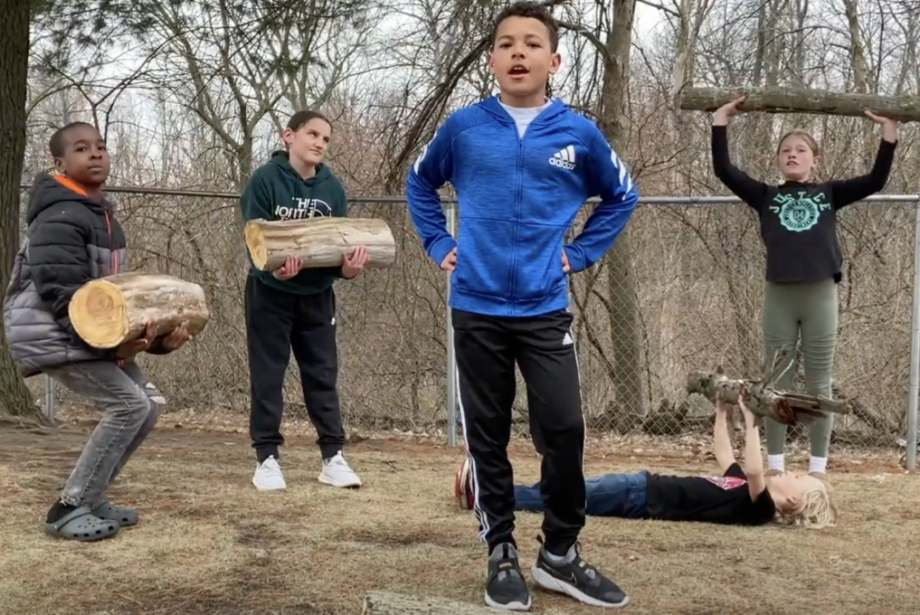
804,262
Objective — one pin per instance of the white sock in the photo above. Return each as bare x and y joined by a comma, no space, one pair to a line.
776,462
818,464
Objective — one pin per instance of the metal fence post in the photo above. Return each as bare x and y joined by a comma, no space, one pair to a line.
49,398
914,387
451,357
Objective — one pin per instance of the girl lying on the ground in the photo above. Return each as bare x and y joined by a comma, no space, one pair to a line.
738,497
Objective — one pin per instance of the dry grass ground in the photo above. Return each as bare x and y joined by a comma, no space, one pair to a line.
208,543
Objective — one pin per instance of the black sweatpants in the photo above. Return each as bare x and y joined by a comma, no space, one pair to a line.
276,323
486,350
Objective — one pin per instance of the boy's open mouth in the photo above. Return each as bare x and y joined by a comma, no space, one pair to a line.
518,70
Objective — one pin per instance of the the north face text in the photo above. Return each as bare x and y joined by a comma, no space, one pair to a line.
301,208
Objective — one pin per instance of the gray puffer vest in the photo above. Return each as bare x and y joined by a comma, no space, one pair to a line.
72,240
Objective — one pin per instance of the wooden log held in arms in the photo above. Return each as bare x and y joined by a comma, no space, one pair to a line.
387,603
116,309
319,242
762,398
798,100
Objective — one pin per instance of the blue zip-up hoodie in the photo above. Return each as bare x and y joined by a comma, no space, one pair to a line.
518,197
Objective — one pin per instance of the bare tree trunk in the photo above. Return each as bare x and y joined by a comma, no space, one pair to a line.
15,398
759,56
625,324
857,50
801,14
860,74
683,58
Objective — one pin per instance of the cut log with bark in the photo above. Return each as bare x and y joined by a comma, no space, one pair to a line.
387,603
762,398
116,309
319,242
797,100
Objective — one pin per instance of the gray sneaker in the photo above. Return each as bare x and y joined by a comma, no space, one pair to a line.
506,588
578,579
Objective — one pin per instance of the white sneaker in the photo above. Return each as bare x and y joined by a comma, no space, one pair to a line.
338,473
268,476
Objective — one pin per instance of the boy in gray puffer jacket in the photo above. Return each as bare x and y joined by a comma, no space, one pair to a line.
74,238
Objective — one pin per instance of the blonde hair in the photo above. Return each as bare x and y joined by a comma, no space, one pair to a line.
818,511
809,140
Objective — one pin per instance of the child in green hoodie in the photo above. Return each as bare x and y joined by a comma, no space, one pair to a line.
291,308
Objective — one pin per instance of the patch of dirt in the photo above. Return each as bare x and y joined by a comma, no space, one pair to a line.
397,538
209,543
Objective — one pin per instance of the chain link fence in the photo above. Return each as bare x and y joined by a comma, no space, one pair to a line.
681,291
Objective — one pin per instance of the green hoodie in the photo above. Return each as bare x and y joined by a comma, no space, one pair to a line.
277,192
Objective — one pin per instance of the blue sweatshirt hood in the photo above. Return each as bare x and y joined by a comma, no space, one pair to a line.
518,197
552,113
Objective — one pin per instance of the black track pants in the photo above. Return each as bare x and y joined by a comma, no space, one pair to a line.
487,348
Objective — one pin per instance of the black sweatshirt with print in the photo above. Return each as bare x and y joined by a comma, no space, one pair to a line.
798,221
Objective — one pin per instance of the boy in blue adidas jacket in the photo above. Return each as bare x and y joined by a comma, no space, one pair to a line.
523,166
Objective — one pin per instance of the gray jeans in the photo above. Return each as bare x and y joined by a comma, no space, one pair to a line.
131,407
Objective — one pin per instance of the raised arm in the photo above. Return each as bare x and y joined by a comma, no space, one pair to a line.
432,169
609,179
848,191
745,187
753,457
721,443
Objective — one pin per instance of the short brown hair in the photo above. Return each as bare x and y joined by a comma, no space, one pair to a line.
534,11
302,117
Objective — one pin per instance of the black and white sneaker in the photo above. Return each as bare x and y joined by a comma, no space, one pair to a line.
578,579
506,588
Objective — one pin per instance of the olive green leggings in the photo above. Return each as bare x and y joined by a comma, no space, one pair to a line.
809,309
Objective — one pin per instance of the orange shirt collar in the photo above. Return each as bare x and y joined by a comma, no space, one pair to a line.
71,184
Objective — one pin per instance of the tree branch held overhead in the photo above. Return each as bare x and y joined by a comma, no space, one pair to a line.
761,396
798,100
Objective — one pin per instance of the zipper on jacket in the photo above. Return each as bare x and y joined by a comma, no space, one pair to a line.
518,204
113,255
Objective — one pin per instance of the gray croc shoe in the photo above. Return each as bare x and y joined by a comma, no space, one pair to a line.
80,524
124,516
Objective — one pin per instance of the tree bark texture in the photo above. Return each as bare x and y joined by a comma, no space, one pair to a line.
798,100
761,397
319,242
15,398
116,309
625,324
